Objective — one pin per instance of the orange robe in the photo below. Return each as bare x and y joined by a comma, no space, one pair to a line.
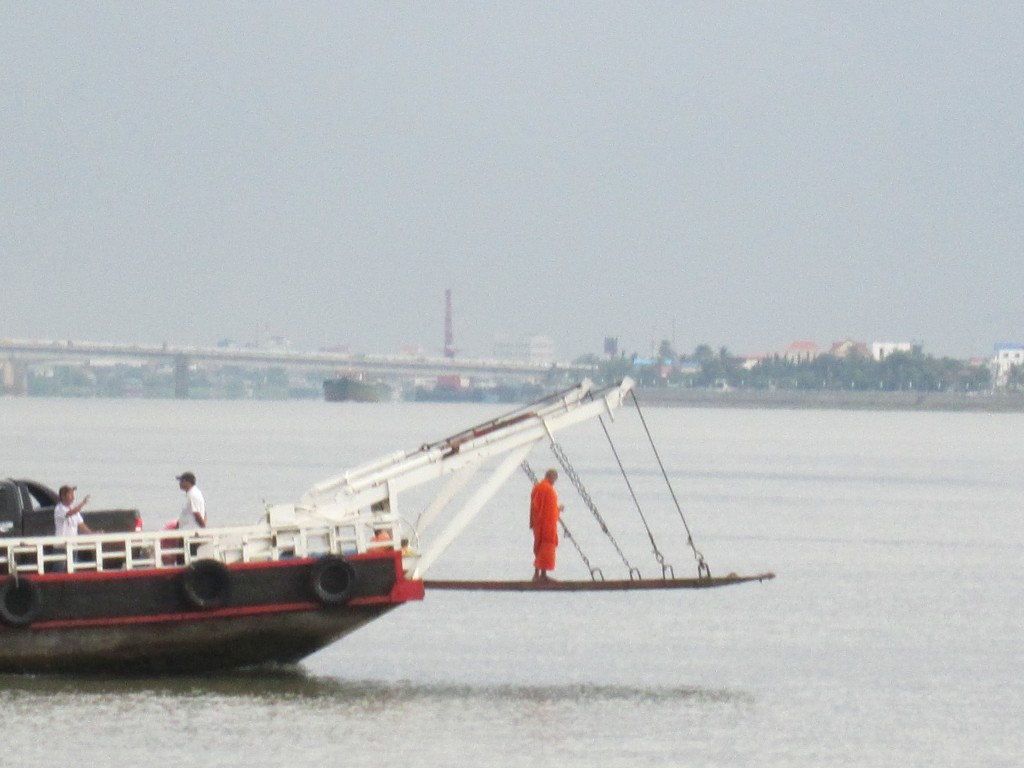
544,522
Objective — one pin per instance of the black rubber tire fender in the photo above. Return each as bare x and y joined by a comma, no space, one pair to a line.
332,578
20,602
205,584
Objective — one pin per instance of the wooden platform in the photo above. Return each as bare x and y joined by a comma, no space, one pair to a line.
594,585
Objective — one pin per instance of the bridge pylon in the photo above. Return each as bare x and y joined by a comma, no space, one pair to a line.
13,377
181,364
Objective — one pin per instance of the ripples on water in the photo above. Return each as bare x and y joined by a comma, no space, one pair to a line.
299,686
286,716
892,636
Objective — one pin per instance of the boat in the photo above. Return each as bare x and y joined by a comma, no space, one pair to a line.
451,389
355,389
303,576
458,389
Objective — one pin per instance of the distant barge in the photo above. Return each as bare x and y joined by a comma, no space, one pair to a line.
455,389
357,390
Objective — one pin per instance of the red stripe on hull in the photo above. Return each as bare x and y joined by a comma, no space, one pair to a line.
403,592
148,620
179,617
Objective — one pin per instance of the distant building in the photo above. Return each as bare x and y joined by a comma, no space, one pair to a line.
689,368
882,349
749,362
533,349
843,349
1007,357
273,341
802,351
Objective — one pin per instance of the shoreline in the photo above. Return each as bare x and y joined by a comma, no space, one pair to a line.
985,402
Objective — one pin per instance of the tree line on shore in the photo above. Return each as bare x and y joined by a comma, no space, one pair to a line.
854,371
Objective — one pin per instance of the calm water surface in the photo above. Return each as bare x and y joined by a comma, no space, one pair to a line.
891,637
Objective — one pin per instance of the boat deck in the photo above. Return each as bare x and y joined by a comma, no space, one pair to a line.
171,549
594,585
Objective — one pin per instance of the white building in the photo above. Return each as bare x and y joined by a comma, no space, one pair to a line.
882,349
532,349
1006,358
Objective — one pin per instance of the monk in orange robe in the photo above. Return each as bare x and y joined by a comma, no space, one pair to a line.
544,511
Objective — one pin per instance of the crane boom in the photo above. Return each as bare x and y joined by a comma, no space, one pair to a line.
378,484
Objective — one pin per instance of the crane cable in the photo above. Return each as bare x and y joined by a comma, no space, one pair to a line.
563,459
667,572
703,570
595,573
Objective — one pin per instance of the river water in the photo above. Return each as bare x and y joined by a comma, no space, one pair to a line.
892,636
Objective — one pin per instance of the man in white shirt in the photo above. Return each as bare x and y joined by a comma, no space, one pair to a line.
67,519
193,514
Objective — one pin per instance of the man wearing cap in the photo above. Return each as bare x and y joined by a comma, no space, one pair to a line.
193,514
67,519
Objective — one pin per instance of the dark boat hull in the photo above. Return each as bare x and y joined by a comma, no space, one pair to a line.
346,389
499,394
187,645
149,621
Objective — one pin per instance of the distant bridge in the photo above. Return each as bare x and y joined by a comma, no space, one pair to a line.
21,352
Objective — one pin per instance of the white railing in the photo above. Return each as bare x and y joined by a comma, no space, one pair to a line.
175,549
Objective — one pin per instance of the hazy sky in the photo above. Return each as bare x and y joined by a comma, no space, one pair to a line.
731,173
